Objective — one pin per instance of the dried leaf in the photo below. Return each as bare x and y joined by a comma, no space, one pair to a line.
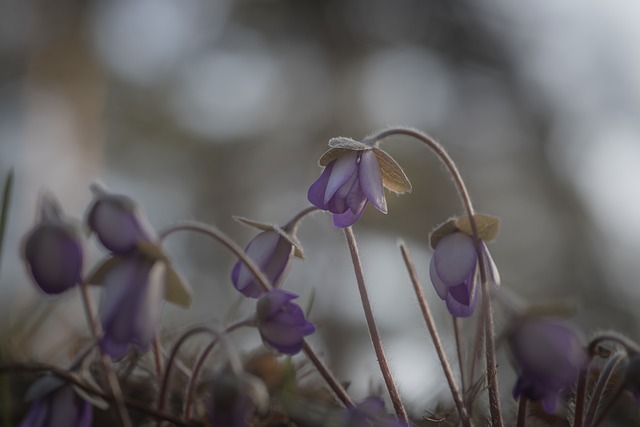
331,155
393,177
255,224
152,250
177,289
488,226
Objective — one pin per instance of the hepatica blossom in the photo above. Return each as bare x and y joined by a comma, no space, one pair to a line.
61,407
355,174
53,249
273,253
118,222
549,356
131,304
281,323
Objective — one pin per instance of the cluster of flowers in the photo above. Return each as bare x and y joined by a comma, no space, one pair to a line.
137,275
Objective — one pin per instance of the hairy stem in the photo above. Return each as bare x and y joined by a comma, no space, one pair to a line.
459,351
373,330
490,351
604,380
433,331
230,245
522,412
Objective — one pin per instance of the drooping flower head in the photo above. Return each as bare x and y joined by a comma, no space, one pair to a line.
548,355
370,412
57,406
272,251
355,174
118,222
281,323
53,249
132,300
454,268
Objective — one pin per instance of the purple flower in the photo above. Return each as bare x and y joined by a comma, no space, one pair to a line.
549,356
368,413
346,185
131,305
273,254
61,407
53,249
454,272
281,323
118,222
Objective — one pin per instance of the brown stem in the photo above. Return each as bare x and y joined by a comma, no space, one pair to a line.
433,331
217,235
373,330
490,351
458,337
604,380
522,411
105,359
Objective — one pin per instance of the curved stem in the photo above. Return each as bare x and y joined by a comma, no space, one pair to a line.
105,359
157,356
612,399
433,331
603,380
217,235
490,351
581,391
629,345
293,222
236,366
373,330
72,379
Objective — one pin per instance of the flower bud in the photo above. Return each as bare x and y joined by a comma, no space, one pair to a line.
53,249
281,323
118,222
59,407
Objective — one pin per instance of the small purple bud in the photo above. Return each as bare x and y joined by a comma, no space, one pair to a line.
62,407
549,355
273,254
281,323
53,249
118,222
131,304
370,412
347,184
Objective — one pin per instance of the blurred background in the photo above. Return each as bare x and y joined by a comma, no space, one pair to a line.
204,109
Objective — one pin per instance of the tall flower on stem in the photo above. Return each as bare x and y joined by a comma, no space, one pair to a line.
454,268
354,175
53,249
549,355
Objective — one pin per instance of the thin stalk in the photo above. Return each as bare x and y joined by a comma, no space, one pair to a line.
4,208
581,391
230,245
235,364
459,351
609,405
629,345
76,381
522,412
433,331
603,380
373,330
105,359
157,357
490,351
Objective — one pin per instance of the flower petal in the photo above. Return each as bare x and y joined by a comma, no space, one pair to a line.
441,289
491,267
343,169
455,258
371,180
347,218
315,194
261,249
